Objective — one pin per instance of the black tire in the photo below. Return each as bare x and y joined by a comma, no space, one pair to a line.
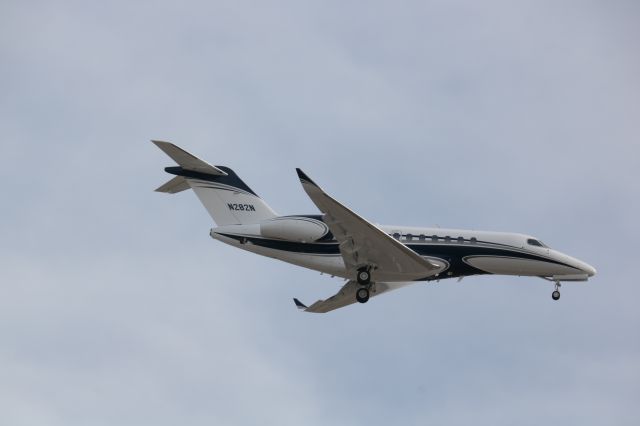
363,277
555,295
362,295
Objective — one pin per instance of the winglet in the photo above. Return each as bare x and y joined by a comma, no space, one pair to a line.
299,304
304,178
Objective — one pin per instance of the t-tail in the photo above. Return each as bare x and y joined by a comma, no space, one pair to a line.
226,197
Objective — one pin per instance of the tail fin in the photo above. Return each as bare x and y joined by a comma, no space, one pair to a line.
226,197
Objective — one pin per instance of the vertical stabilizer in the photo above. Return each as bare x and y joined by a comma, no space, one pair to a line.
226,197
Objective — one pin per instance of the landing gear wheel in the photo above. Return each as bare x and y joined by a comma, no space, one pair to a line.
364,277
362,295
556,293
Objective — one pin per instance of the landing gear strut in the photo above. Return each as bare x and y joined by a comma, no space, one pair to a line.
556,293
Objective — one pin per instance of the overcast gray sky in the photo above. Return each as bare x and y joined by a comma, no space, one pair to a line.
117,308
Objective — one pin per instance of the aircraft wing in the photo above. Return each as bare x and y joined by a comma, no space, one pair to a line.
346,296
364,244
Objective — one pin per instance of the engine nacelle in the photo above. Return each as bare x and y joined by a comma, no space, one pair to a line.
294,228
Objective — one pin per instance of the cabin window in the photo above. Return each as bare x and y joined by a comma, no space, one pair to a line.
473,240
537,243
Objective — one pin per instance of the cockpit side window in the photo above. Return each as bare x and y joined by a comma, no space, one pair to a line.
537,243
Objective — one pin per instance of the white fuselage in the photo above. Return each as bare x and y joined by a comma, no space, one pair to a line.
305,241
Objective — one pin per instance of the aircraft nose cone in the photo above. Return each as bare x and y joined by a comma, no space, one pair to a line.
578,264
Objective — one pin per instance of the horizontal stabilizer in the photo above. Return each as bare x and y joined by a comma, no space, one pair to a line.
188,161
175,185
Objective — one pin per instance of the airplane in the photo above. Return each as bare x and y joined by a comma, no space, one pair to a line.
373,259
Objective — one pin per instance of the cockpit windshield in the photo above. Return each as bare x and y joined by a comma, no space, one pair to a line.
537,243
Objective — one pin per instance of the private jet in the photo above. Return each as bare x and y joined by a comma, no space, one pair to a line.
373,259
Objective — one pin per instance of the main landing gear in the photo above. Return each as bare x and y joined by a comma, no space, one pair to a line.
364,276
362,295
364,279
556,293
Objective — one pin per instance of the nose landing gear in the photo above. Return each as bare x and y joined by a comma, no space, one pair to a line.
556,293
